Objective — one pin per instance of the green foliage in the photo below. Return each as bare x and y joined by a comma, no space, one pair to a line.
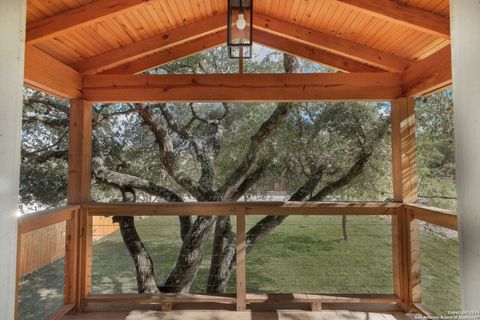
435,150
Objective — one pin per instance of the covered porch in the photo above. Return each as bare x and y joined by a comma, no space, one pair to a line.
98,52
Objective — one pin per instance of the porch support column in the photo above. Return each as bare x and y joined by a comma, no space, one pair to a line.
12,36
406,242
465,26
79,188
79,152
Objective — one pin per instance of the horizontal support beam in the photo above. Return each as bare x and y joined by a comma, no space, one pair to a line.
45,73
171,54
436,216
251,208
42,219
428,75
242,87
408,16
50,27
139,49
337,45
297,48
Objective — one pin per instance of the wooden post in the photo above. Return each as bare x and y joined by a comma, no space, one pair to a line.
397,256
405,231
71,263
78,192
79,152
241,256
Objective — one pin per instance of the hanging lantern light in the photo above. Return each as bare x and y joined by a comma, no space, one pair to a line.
239,29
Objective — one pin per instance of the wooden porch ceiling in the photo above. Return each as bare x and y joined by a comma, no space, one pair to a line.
85,37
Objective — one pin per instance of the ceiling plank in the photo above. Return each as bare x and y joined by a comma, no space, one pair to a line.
331,43
170,55
428,75
242,87
43,72
411,17
139,49
79,17
309,52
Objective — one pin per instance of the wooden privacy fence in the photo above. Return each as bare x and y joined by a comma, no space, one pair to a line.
79,237
41,247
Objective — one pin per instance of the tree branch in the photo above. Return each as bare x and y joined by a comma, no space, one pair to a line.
49,154
207,176
52,121
123,181
269,223
167,154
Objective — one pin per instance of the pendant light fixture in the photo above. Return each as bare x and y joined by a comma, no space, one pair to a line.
240,29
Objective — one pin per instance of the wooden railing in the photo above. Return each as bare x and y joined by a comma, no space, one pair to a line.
44,219
78,290
240,210
435,216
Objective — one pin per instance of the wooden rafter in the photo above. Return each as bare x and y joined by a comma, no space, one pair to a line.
139,49
242,87
172,54
336,52
49,75
79,17
312,53
411,17
331,43
428,75
270,40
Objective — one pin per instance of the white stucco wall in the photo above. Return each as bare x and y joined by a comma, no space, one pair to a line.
12,34
465,21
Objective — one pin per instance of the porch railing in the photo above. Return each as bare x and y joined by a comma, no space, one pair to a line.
44,219
406,281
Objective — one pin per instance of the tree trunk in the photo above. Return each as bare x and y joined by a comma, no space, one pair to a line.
224,246
143,262
344,228
190,257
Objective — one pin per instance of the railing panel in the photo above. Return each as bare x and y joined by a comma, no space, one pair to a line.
323,254
158,227
113,269
42,236
41,292
440,275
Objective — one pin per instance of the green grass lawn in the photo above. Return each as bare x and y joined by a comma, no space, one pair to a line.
304,254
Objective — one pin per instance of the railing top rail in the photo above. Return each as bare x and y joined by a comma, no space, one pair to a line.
41,219
250,208
437,216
